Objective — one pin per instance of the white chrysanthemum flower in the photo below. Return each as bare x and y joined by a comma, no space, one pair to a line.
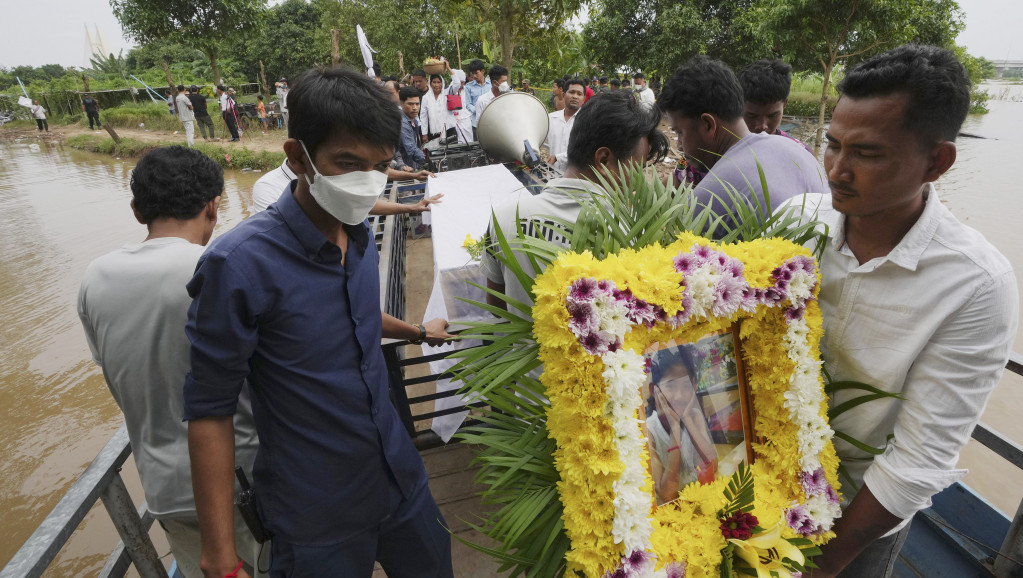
801,286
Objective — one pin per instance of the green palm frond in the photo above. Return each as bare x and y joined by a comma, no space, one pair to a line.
514,453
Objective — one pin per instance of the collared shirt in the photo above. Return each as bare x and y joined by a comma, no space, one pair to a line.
481,104
182,103
272,302
269,187
473,91
38,111
411,154
558,134
645,95
225,102
934,320
788,169
560,198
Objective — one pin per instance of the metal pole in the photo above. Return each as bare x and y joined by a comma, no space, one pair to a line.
22,87
129,526
1006,563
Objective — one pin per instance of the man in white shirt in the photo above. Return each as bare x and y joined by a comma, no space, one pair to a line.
643,92
39,113
561,123
133,305
185,113
498,84
227,111
914,302
612,131
282,99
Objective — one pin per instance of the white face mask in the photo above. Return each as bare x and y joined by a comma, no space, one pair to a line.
348,197
503,87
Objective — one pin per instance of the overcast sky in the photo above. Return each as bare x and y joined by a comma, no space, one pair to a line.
38,32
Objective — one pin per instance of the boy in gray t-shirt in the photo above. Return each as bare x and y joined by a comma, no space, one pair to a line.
133,305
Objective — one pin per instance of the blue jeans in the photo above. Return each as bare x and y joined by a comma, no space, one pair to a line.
878,559
412,542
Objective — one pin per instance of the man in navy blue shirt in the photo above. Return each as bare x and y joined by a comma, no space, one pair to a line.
412,155
289,301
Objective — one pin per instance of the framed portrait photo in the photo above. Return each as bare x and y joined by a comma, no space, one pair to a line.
696,411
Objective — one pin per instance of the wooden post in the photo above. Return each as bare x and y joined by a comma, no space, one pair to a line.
170,81
335,47
85,81
458,46
262,76
46,103
401,64
113,135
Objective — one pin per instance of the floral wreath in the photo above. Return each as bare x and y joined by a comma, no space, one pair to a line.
590,319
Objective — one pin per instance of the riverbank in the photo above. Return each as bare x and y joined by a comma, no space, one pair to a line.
255,152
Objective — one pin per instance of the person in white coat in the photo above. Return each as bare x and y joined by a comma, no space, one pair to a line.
459,117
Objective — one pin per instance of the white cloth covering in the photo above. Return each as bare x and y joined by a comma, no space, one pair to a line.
469,198
271,186
433,111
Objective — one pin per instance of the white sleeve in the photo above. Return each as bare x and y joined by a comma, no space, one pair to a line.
946,390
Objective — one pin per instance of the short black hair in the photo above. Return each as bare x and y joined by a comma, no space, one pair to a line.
418,72
221,87
638,75
703,85
933,78
181,88
326,100
559,83
174,182
603,79
193,88
766,81
407,92
376,68
578,81
616,120
615,82
496,72
259,97
477,64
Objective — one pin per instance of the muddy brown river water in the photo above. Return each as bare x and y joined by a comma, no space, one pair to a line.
61,208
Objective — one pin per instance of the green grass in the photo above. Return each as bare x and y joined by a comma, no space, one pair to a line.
234,158
154,116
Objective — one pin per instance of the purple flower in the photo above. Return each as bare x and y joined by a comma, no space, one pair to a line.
735,268
799,520
703,252
596,343
604,286
795,313
832,496
675,570
685,263
814,482
773,296
582,317
637,561
729,295
583,289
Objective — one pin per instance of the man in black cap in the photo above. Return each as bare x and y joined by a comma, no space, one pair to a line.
202,116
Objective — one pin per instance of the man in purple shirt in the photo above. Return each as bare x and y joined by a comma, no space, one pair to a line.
289,302
704,103
765,88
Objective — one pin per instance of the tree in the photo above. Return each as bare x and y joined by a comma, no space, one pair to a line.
200,23
288,44
512,19
823,34
660,35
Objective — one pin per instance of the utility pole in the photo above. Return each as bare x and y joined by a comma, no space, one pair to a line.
335,47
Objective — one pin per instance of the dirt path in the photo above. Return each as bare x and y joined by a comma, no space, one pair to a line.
272,141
